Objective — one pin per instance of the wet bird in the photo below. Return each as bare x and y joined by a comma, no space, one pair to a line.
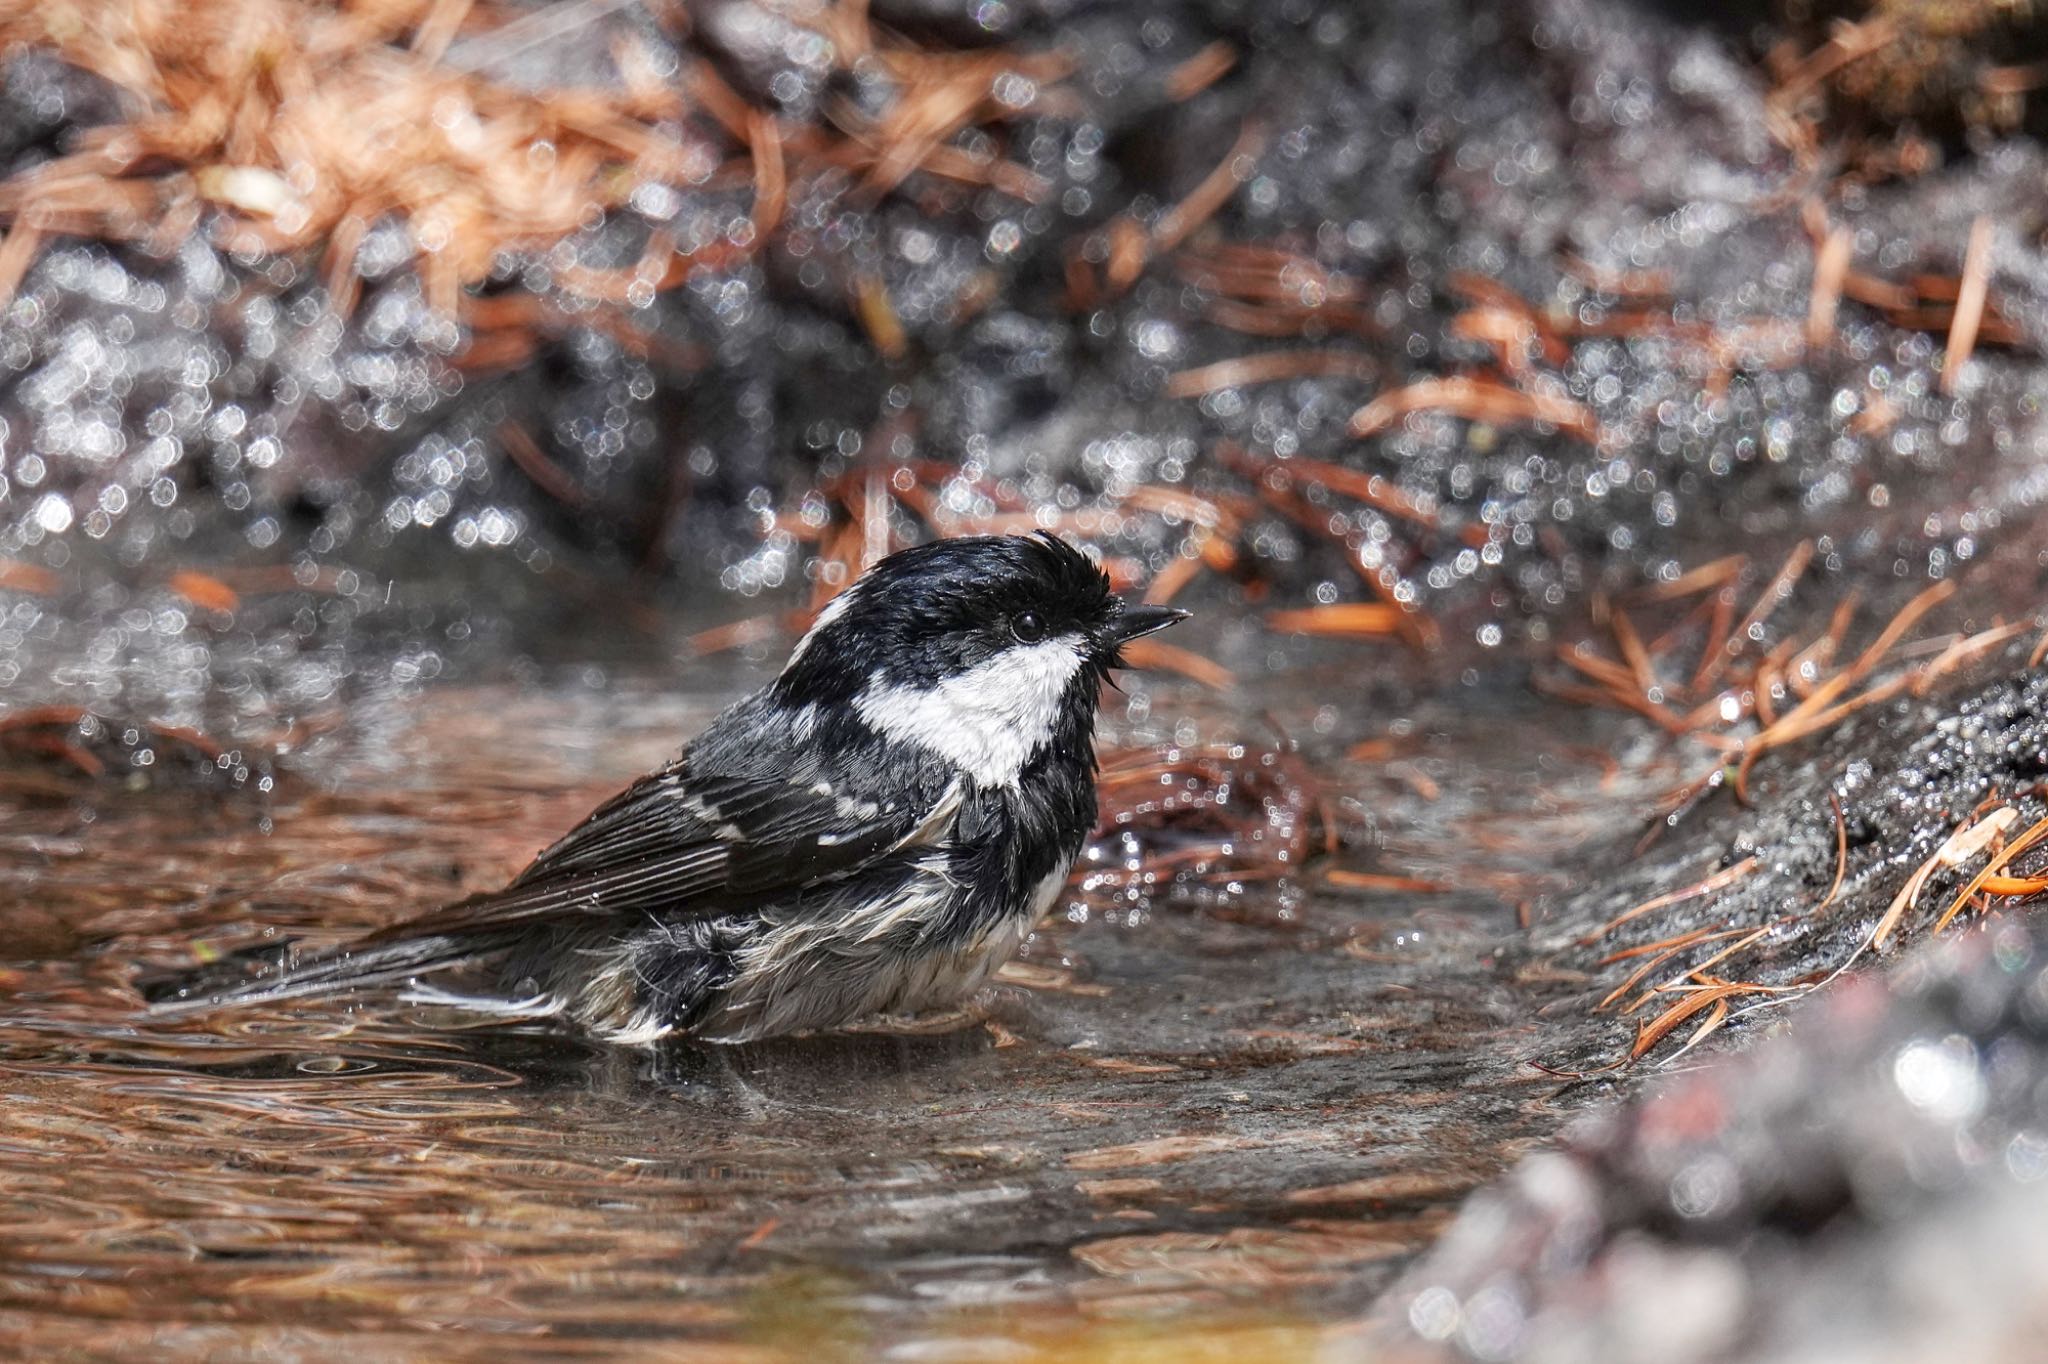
874,832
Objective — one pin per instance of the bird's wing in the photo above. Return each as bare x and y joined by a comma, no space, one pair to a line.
677,839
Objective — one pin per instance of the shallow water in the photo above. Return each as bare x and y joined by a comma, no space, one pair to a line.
1235,1100
1222,1101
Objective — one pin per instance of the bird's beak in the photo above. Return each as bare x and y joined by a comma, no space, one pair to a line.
1139,619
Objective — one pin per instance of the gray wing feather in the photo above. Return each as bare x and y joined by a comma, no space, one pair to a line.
674,841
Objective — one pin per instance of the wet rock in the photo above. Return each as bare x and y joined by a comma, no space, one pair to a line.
1867,1183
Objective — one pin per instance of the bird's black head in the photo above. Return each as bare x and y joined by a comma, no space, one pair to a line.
980,647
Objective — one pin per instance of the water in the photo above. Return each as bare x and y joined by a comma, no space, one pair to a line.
1244,1075
1195,1105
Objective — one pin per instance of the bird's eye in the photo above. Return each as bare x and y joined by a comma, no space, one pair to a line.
1028,627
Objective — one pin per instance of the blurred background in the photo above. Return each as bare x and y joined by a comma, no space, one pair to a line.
1566,894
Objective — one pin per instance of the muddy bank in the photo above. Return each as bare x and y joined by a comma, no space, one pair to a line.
1867,1183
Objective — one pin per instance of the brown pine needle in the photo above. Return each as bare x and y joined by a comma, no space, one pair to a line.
1718,641
1969,839
1716,573
1664,947
1830,265
16,576
1631,646
1478,400
546,475
1417,630
1926,600
1168,582
24,239
1707,1028
203,590
1653,1032
771,180
1768,683
1515,333
1849,42
1575,1076
1696,972
1998,863
1604,671
1841,853
2008,887
1669,948
1878,293
1132,247
1355,620
1200,71
1779,588
2013,80
1720,880
752,630
1963,649
430,40
1640,284
1156,654
1371,489
1625,697
878,316
1969,313
1821,710
1265,368
1217,188
1366,880
1822,651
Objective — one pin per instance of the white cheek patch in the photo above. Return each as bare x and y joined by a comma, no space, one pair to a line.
989,720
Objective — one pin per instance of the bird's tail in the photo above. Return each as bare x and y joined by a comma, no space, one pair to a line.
272,973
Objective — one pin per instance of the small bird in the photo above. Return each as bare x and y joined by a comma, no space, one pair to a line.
873,832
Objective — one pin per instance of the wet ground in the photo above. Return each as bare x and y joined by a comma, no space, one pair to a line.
1866,1185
